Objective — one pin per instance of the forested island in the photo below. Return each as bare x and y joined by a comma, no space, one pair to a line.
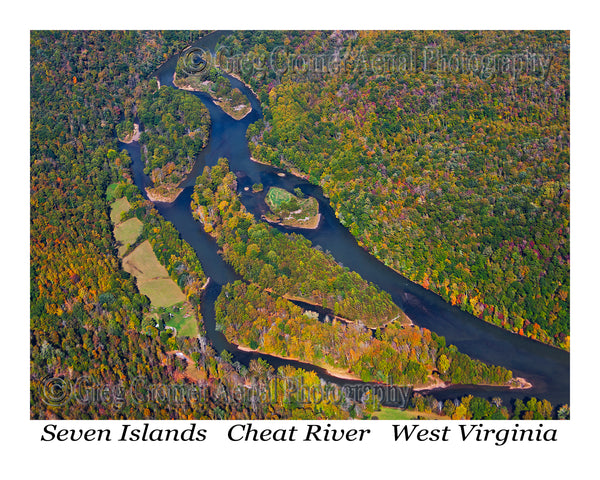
458,182
176,129
281,266
210,80
396,354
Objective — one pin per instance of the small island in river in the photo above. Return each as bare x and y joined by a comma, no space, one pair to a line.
292,210
210,80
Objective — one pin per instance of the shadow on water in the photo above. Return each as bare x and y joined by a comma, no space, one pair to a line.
547,368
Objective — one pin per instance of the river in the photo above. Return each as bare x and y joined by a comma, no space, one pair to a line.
546,367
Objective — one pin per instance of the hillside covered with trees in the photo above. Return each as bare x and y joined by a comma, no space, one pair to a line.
446,154
89,357
90,330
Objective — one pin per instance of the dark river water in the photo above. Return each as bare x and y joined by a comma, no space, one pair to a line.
546,367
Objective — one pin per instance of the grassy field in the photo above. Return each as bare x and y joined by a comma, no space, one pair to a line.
117,208
388,413
151,277
180,316
183,319
162,292
143,264
292,211
127,233
276,196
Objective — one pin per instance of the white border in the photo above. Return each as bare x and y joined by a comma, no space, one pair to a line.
372,457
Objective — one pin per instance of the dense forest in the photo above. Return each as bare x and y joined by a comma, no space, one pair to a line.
176,128
456,174
87,316
89,358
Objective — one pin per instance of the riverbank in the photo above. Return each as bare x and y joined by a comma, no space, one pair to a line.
515,383
158,194
239,79
437,384
313,225
291,170
132,137
341,374
237,112
333,316
332,371
522,384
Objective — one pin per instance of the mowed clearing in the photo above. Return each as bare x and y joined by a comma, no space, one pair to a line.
276,196
290,210
127,233
389,413
117,208
180,316
151,277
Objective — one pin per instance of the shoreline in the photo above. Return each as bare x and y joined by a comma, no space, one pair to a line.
238,78
134,137
337,373
522,384
316,225
438,385
154,196
290,171
344,375
218,101
293,298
